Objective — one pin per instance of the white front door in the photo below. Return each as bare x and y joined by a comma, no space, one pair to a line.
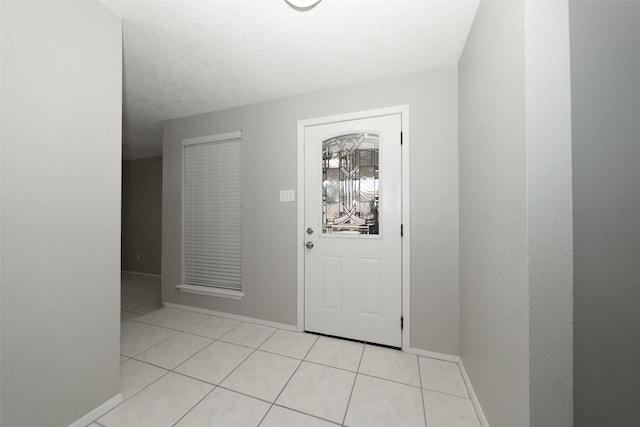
352,210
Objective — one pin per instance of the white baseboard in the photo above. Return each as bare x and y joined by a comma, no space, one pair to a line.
233,316
474,398
141,274
98,412
433,355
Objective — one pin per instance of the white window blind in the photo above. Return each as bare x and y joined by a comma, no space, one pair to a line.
213,214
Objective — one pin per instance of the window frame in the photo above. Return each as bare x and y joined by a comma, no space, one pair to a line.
205,289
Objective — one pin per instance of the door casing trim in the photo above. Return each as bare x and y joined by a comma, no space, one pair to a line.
403,110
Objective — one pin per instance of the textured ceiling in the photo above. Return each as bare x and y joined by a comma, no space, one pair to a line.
188,57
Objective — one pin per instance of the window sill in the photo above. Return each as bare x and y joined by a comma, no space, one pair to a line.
212,292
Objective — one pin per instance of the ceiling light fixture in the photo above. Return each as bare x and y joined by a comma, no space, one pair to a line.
302,4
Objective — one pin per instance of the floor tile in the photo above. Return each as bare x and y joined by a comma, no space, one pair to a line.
444,410
173,318
378,403
182,320
130,326
139,304
156,316
390,364
313,395
213,327
140,338
215,362
134,376
175,350
248,334
226,408
287,343
438,375
337,353
128,315
147,306
319,390
130,301
137,284
262,375
283,417
161,404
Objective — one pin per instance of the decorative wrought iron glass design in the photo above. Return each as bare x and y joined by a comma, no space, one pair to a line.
350,195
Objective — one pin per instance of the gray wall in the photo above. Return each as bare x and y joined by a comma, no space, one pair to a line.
494,283
61,157
605,70
549,214
515,213
141,215
270,164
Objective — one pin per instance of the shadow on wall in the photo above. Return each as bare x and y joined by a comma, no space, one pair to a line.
142,215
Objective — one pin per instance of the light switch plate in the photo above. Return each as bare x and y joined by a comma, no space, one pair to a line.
287,195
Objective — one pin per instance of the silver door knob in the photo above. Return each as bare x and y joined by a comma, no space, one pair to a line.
309,245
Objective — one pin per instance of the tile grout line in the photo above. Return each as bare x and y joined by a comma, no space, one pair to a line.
289,380
196,404
285,385
129,398
466,386
306,413
140,352
243,360
265,415
178,373
216,340
355,378
424,406
180,363
177,333
215,386
222,335
184,361
388,379
446,393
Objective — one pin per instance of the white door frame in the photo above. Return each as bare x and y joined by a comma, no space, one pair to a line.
403,110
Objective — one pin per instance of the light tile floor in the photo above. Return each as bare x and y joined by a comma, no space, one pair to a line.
186,369
139,294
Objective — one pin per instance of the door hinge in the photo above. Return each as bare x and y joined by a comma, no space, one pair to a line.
401,230
400,138
401,322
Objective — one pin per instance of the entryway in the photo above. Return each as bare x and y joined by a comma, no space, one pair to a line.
352,226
